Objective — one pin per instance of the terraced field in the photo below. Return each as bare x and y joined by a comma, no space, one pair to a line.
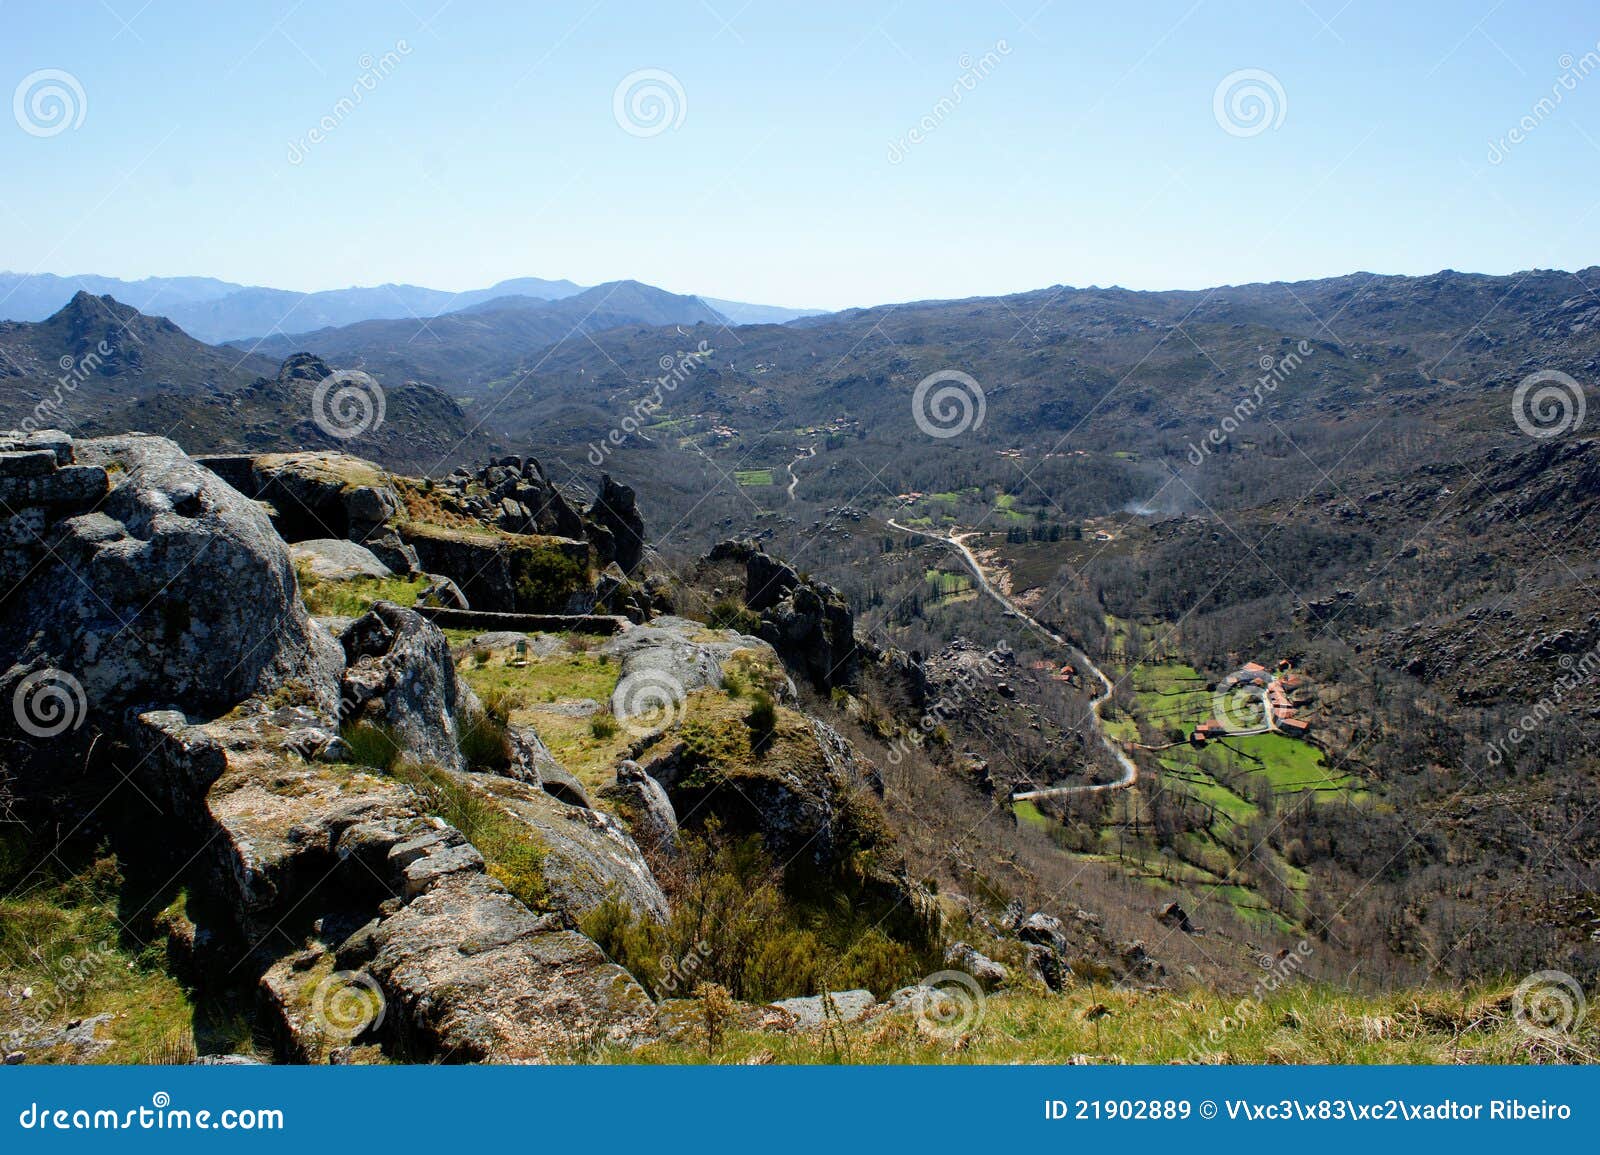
1226,795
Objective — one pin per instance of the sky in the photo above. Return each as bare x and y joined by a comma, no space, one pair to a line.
814,154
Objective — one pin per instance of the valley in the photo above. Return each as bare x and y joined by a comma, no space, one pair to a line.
1108,717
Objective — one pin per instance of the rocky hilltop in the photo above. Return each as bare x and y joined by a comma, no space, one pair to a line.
309,677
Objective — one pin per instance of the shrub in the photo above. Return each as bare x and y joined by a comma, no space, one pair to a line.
734,925
603,726
762,721
727,614
544,577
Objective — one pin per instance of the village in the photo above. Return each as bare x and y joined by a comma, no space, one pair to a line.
1284,693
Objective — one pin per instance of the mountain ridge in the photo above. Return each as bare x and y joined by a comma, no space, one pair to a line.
219,312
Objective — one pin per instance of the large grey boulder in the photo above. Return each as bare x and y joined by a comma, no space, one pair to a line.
644,802
158,585
473,976
401,677
335,559
672,657
314,495
841,1006
589,856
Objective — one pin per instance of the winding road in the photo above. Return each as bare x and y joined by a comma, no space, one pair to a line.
1130,771
794,478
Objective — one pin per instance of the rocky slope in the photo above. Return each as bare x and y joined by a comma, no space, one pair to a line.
373,836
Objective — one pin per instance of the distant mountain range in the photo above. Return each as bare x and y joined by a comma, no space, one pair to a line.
98,366
216,311
468,350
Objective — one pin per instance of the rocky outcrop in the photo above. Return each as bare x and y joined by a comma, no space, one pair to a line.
337,884
503,573
644,803
588,855
401,677
314,495
615,527
808,622
515,495
144,580
335,559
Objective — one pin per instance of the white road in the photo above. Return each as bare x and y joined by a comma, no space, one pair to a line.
1130,771
794,478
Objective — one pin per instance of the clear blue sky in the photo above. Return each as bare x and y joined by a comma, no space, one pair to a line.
1090,153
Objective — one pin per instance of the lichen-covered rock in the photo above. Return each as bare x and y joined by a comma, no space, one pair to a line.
323,867
474,976
401,677
335,559
644,802
173,590
314,495
840,1006
980,966
589,856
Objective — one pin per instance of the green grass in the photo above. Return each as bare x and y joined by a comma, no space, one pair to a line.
512,851
1300,1023
753,477
564,676
1031,814
355,597
1291,765
63,938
